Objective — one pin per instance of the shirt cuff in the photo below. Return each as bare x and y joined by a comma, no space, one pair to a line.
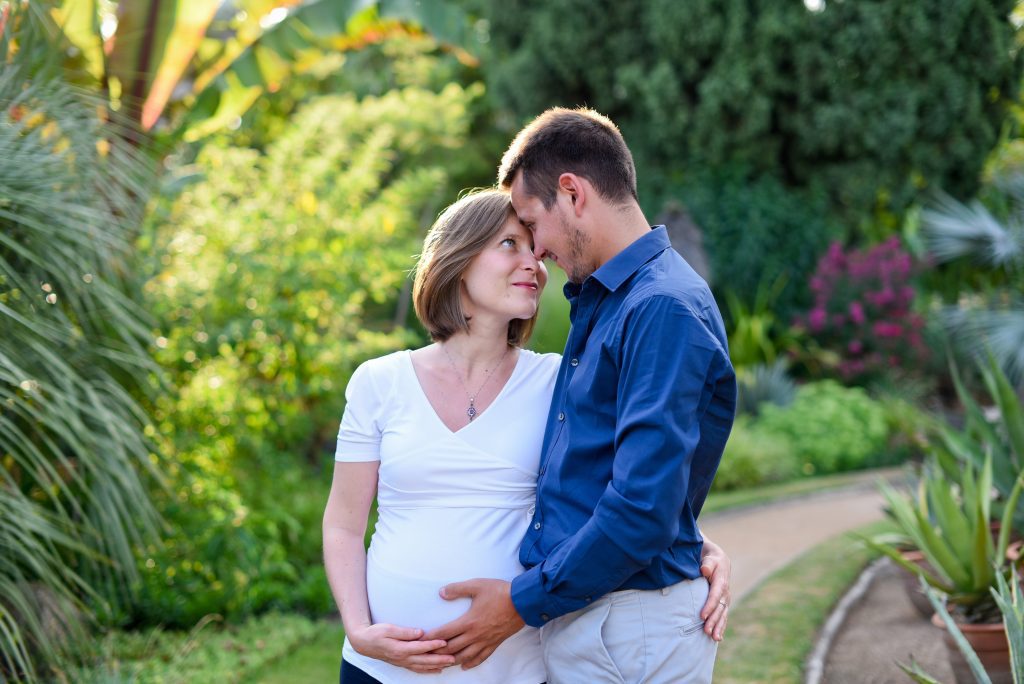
536,606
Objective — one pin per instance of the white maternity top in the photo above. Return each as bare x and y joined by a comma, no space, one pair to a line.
451,505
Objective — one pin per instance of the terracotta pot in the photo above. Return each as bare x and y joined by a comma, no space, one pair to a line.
988,641
1015,553
912,585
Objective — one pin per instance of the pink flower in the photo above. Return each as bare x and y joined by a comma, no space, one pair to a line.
855,347
816,320
889,330
856,312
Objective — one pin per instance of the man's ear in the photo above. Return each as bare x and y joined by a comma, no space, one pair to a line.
575,189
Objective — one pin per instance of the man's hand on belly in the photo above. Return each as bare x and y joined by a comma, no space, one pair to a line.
490,620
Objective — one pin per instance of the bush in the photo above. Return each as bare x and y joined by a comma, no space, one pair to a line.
276,275
863,311
753,457
831,428
873,100
758,233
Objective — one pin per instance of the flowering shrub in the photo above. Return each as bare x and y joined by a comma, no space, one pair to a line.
863,311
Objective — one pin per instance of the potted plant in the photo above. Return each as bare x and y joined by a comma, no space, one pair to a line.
949,523
1011,605
997,432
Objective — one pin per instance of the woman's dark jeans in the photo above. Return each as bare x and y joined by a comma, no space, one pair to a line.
350,674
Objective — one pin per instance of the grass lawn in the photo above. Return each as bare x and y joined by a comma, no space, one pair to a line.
772,632
315,661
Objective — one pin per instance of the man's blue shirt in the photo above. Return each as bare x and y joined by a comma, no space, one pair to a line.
642,408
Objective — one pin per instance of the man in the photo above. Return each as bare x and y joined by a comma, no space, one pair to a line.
642,408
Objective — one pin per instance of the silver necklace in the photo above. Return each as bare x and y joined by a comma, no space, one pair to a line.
471,409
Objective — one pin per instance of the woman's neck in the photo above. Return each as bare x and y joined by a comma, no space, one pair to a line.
477,349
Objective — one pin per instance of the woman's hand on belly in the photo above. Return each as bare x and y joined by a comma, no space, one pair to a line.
401,646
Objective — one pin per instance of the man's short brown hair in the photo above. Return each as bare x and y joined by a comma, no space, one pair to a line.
460,233
579,141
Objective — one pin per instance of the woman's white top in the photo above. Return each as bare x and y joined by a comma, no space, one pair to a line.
451,505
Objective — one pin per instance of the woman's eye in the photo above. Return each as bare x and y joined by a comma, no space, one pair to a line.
509,242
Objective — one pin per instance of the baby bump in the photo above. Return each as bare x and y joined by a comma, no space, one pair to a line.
407,601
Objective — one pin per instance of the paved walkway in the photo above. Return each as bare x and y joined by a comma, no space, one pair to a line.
882,626
762,539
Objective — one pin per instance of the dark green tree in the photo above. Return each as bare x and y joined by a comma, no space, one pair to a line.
872,101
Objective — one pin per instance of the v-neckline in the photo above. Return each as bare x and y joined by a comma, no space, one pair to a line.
480,415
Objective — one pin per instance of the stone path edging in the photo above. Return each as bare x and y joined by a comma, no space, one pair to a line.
815,667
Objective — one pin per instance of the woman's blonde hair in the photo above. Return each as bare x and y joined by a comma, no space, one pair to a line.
460,233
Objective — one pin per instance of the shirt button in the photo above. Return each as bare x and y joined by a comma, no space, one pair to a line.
574,362
544,617
536,525
561,416
587,599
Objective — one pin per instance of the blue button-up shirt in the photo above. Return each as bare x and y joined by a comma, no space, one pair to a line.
642,408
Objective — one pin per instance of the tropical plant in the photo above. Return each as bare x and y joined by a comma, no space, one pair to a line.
756,336
212,65
991,318
763,384
997,434
73,354
1008,597
950,525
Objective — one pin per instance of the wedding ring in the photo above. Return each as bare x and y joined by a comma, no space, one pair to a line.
723,603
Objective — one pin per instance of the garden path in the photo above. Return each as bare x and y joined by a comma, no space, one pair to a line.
881,627
762,539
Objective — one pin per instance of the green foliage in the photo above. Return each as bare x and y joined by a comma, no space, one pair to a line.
208,654
277,275
799,596
871,101
1011,604
950,526
999,437
831,428
763,240
990,243
552,329
753,456
763,384
73,349
1008,596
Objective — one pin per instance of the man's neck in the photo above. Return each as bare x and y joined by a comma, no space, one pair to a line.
617,229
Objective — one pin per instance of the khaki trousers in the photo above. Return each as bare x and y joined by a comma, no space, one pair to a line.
633,636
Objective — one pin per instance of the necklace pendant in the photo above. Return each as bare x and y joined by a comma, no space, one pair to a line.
471,412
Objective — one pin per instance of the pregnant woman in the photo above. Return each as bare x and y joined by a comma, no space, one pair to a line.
448,438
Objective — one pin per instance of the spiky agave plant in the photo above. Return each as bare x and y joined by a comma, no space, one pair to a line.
73,350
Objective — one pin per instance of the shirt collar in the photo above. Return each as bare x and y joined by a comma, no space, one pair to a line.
620,267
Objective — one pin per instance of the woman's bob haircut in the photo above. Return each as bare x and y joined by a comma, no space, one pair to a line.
460,233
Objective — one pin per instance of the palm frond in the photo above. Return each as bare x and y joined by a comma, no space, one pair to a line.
953,230
73,354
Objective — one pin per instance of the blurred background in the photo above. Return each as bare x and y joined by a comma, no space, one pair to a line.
209,212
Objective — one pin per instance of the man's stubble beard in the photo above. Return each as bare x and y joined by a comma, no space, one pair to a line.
577,242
